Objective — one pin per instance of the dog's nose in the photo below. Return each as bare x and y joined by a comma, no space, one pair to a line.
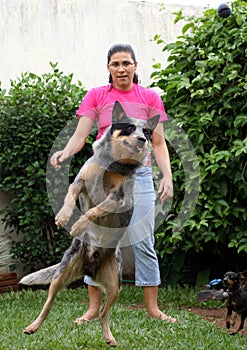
141,141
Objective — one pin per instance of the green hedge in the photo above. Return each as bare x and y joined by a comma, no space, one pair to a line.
32,115
205,94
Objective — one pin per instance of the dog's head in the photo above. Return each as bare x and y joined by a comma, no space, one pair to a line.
130,136
231,280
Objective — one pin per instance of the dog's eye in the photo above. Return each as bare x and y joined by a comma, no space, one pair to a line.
147,133
129,129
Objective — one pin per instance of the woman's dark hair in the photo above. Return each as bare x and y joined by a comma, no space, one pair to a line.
122,48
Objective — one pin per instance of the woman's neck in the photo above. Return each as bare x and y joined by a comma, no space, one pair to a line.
123,88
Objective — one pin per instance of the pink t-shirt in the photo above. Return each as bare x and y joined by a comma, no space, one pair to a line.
138,102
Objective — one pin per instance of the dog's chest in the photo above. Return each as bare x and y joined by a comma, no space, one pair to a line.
239,301
113,181
99,184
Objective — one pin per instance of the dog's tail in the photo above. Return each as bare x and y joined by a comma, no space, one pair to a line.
43,276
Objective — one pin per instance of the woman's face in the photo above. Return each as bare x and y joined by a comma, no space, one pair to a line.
122,68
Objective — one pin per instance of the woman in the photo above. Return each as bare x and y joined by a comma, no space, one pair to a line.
138,102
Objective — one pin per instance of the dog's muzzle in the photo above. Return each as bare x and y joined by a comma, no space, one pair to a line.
225,282
141,141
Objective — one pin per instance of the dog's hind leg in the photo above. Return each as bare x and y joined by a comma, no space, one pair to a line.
71,272
108,276
55,286
241,326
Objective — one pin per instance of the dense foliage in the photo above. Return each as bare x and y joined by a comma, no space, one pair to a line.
32,114
205,94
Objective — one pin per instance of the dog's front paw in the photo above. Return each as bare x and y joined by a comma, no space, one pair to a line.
62,218
80,226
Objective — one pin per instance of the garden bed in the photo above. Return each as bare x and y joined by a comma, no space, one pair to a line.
217,315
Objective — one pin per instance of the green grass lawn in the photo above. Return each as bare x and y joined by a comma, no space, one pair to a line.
130,325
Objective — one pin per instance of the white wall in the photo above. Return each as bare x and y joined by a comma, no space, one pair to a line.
78,33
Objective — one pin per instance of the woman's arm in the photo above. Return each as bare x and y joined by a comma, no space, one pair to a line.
162,158
75,143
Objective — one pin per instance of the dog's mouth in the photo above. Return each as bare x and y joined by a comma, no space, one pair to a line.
138,147
226,283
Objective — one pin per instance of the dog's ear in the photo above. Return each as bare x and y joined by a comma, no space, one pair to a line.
118,113
152,122
243,274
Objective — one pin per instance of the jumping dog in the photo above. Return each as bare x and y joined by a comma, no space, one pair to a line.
106,184
237,300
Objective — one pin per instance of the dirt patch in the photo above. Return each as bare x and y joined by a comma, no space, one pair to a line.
218,316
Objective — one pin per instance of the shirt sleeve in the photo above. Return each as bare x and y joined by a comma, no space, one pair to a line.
88,106
157,107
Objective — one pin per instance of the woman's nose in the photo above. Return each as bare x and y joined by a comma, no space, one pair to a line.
121,67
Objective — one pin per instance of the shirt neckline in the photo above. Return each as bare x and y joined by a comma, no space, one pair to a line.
124,91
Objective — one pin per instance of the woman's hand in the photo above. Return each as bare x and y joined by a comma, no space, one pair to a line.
58,157
166,188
